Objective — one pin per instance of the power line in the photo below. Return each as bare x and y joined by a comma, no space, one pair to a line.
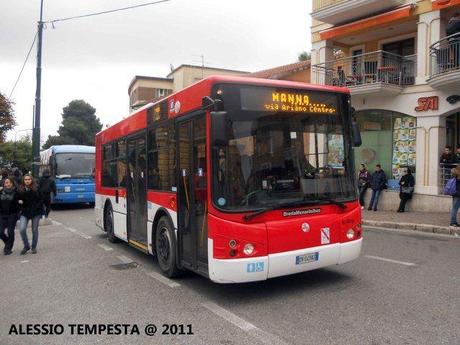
105,12
24,65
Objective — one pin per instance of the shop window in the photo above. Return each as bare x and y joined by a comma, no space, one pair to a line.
389,139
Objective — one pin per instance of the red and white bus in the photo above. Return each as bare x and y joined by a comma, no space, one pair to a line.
237,179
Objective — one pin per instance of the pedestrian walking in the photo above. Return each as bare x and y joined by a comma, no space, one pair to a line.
364,179
406,188
452,188
31,202
9,209
47,187
378,183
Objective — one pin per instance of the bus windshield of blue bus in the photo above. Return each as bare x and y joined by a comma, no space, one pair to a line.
75,164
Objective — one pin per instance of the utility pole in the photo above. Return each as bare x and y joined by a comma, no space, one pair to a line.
36,127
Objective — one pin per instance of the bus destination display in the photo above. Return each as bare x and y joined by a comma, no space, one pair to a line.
293,101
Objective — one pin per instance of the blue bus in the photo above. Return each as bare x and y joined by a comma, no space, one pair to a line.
72,167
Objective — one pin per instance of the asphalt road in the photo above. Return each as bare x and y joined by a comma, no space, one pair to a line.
405,289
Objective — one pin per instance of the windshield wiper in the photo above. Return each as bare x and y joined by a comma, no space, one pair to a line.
334,202
304,202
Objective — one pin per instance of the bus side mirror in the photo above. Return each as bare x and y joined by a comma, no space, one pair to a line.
219,128
357,141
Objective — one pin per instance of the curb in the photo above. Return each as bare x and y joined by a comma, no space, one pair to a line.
436,229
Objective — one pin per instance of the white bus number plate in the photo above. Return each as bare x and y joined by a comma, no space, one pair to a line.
306,258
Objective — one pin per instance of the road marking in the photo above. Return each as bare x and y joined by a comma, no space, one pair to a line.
163,279
124,259
24,261
72,230
105,247
264,337
390,260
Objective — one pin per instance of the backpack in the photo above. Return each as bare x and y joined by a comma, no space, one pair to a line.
451,187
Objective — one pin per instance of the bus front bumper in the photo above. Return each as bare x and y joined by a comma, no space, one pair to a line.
280,264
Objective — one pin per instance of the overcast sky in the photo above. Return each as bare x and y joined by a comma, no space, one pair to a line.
95,58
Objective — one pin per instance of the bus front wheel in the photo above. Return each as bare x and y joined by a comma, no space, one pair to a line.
165,247
108,224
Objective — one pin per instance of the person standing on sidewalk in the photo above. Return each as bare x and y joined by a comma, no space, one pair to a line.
47,186
406,188
378,183
9,209
364,179
455,197
31,201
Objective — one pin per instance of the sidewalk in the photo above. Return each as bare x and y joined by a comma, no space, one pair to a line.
420,221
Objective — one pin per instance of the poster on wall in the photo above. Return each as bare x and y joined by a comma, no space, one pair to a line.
404,145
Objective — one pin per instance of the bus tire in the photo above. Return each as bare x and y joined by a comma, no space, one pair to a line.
165,247
108,224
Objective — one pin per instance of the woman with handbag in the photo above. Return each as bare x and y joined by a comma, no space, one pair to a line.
406,188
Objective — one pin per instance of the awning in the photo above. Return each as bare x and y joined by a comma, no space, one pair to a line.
438,4
368,23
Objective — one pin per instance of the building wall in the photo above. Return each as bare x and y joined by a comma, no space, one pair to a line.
188,75
428,28
302,76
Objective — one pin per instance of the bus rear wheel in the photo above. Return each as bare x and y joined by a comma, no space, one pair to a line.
108,224
165,248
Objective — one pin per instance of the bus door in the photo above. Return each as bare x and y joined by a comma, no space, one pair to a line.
192,193
137,193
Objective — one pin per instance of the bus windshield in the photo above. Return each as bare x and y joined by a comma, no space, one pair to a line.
75,164
280,147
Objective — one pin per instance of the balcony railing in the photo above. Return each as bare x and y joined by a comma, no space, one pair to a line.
369,68
445,55
320,4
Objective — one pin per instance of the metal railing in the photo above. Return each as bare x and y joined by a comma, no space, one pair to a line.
445,55
369,68
445,173
320,4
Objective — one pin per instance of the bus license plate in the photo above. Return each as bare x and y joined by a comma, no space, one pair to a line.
306,258
81,196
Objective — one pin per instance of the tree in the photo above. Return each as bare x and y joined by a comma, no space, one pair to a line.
304,56
79,125
7,120
17,153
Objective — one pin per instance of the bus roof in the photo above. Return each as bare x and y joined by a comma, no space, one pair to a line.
72,149
189,99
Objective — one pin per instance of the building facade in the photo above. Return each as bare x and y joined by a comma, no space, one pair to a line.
404,76
145,89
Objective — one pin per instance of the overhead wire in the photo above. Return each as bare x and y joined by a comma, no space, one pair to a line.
24,64
105,12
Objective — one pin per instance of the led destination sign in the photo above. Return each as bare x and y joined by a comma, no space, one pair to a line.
261,99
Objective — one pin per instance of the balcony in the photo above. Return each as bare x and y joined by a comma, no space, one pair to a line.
377,72
445,63
344,11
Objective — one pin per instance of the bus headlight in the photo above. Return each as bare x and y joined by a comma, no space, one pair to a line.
350,234
248,249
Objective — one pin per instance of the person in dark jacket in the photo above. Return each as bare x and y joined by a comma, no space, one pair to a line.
4,177
47,186
364,179
447,157
31,202
406,188
378,183
9,209
455,199
17,177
